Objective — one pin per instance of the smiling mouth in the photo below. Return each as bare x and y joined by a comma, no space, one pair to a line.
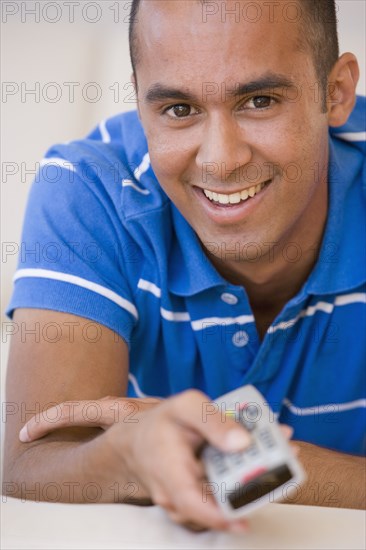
224,199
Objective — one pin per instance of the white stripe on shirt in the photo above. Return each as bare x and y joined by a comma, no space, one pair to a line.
351,136
130,183
149,287
325,307
78,281
58,162
136,386
209,321
106,138
143,167
324,409
138,172
350,299
181,316
174,315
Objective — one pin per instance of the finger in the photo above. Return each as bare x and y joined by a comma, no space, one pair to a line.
176,485
193,506
65,415
233,526
101,413
180,486
237,526
196,411
190,525
287,431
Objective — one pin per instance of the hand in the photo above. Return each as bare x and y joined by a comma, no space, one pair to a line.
160,451
157,442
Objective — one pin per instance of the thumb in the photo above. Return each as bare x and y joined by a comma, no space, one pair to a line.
198,412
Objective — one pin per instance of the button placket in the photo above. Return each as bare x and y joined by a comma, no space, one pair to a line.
240,338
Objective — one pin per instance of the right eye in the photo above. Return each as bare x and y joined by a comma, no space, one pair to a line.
180,110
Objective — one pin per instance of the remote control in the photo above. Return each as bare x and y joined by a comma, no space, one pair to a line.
265,471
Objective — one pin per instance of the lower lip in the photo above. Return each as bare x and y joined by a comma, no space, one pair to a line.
230,213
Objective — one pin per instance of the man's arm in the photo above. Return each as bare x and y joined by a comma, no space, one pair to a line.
150,458
334,479
42,373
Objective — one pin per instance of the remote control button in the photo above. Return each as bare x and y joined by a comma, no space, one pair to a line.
236,459
249,416
266,438
218,462
252,451
253,413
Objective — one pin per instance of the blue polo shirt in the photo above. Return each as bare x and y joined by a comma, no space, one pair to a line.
102,240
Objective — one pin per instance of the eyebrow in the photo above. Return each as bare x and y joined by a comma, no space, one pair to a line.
159,92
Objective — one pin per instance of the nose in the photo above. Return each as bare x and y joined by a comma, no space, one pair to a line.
223,150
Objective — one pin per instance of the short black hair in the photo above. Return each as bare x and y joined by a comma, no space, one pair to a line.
319,34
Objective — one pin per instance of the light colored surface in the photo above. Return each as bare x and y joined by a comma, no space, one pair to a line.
278,526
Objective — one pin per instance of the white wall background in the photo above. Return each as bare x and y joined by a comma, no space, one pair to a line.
75,49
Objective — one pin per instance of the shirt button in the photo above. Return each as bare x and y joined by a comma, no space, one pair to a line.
240,339
229,298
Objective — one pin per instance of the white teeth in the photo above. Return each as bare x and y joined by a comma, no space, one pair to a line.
224,199
234,198
244,195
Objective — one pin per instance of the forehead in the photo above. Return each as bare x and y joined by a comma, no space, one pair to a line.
181,38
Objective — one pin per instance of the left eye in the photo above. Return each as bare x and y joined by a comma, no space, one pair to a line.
259,102
181,110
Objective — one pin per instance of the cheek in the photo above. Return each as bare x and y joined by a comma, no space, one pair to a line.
279,140
170,161
172,150
301,150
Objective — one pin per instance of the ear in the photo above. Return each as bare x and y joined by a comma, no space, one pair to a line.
134,82
341,93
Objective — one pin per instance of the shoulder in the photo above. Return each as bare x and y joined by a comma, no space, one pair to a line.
348,150
112,160
107,153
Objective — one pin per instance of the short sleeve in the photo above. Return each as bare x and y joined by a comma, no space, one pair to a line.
70,251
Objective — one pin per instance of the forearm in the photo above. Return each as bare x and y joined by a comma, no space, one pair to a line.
334,479
76,471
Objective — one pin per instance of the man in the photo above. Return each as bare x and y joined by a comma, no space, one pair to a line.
235,257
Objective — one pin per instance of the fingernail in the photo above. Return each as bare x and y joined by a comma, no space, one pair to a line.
236,439
24,435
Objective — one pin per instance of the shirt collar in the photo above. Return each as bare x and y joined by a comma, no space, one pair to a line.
190,271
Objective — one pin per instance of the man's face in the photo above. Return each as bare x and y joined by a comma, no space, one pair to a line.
231,108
